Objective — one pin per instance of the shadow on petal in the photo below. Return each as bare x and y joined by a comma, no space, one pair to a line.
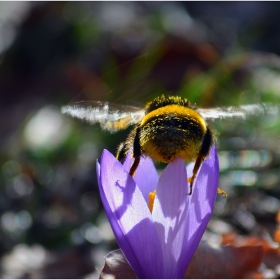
170,214
146,176
129,217
202,200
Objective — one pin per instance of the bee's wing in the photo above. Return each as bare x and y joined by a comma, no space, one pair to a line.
112,117
239,112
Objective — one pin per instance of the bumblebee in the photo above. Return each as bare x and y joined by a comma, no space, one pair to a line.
171,128
167,128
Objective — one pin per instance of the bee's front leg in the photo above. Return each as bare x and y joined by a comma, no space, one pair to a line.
203,153
136,151
122,152
132,143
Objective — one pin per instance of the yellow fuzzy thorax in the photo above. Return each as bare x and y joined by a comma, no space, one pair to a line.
166,149
177,110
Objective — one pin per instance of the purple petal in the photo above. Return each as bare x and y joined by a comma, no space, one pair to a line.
128,161
146,176
169,213
130,218
202,200
179,219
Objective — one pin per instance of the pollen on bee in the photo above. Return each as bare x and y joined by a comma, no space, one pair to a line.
151,200
223,193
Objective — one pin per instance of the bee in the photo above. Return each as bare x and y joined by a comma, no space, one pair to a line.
167,128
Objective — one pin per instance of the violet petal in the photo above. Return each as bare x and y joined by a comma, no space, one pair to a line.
130,218
169,213
146,176
202,200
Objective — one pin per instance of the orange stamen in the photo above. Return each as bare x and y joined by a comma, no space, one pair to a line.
151,200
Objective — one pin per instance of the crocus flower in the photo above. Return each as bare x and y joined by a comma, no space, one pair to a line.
161,242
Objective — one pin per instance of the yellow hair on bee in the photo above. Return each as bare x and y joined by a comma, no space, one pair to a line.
176,110
182,139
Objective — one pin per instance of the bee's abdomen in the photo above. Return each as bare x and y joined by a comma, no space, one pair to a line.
172,131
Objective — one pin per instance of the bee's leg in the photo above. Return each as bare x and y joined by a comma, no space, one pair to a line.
124,147
198,163
203,153
121,152
136,151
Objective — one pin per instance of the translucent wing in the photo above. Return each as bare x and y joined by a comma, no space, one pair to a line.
112,117
239,112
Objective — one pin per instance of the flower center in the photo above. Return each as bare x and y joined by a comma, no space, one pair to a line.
151,200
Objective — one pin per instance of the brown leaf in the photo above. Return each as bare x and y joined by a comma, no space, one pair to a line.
276,236
277,231
271,253
116,266
226,261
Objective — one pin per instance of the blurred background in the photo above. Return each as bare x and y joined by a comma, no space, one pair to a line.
52,223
